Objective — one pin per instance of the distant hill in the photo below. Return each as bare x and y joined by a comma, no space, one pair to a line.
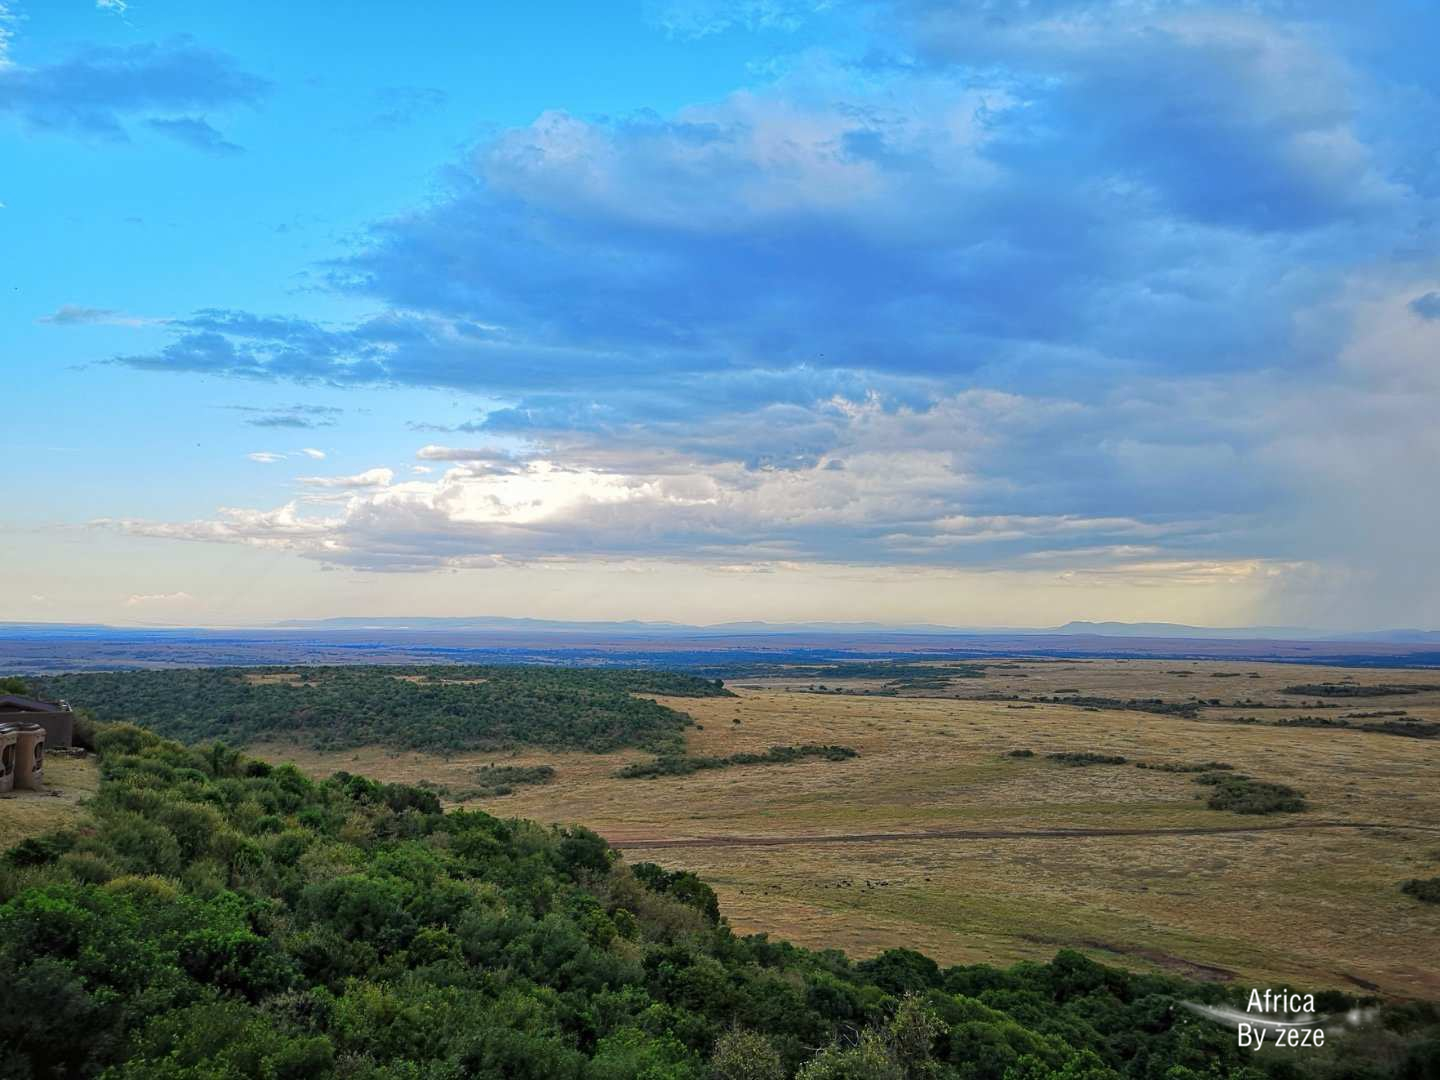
1240,633
636,627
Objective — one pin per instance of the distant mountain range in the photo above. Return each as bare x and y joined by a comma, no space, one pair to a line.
500,624
638,629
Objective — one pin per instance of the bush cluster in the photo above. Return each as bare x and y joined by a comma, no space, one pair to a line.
1085,757
1426,890
677,765
492,781
1241,794
1342,690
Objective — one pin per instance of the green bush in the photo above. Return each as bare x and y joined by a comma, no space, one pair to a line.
776,755
1426,890
1085,757
492,781
1241,794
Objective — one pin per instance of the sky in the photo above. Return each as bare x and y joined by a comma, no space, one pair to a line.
976,312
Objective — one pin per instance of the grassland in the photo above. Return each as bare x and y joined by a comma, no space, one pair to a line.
68,782
1316,904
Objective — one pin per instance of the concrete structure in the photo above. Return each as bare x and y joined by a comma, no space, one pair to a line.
54,716
9,752
30,758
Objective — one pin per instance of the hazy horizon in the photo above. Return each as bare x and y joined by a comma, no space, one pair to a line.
760,627
697,310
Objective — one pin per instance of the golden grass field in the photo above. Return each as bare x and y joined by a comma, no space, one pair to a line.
1318,906
68,782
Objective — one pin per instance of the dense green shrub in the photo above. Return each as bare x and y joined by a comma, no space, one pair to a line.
1085,757
1426,890
421,708
677,765
1241,794
1348,690
492,781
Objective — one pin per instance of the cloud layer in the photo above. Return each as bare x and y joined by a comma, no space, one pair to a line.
96,90
1069,283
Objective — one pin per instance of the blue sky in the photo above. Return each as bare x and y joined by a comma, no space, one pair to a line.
986,313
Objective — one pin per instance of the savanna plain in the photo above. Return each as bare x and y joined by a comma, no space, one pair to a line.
938,836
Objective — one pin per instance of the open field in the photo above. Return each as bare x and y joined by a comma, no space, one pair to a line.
68,780
1316,902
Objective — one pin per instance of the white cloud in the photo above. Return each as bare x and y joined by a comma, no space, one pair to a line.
118,7
311,452
142,599
7,19
265,457
432,452
370,478
868,483
695,19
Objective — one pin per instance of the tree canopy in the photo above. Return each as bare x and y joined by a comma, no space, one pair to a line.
418,708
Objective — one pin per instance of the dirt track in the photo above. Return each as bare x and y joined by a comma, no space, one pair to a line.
991,834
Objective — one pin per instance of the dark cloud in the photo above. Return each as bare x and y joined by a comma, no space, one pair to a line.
1063,193
398,106
80,315
1427,306
1231,114
299,417
195,133
94,91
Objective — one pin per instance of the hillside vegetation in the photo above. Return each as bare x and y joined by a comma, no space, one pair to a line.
220,917
417,708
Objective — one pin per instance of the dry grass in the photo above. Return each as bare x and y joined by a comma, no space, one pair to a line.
1315,907
68,782
272,678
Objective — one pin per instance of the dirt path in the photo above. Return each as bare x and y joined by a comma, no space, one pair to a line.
991,834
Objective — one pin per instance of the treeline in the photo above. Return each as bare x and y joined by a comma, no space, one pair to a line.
1354,690
676,765
899,672
217,917
1406,727
417,708
1085,757
495,780
1187,709
1409,727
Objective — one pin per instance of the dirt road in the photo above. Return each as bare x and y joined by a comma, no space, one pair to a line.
624,842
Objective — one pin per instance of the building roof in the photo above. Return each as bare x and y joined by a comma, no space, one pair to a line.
18,703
